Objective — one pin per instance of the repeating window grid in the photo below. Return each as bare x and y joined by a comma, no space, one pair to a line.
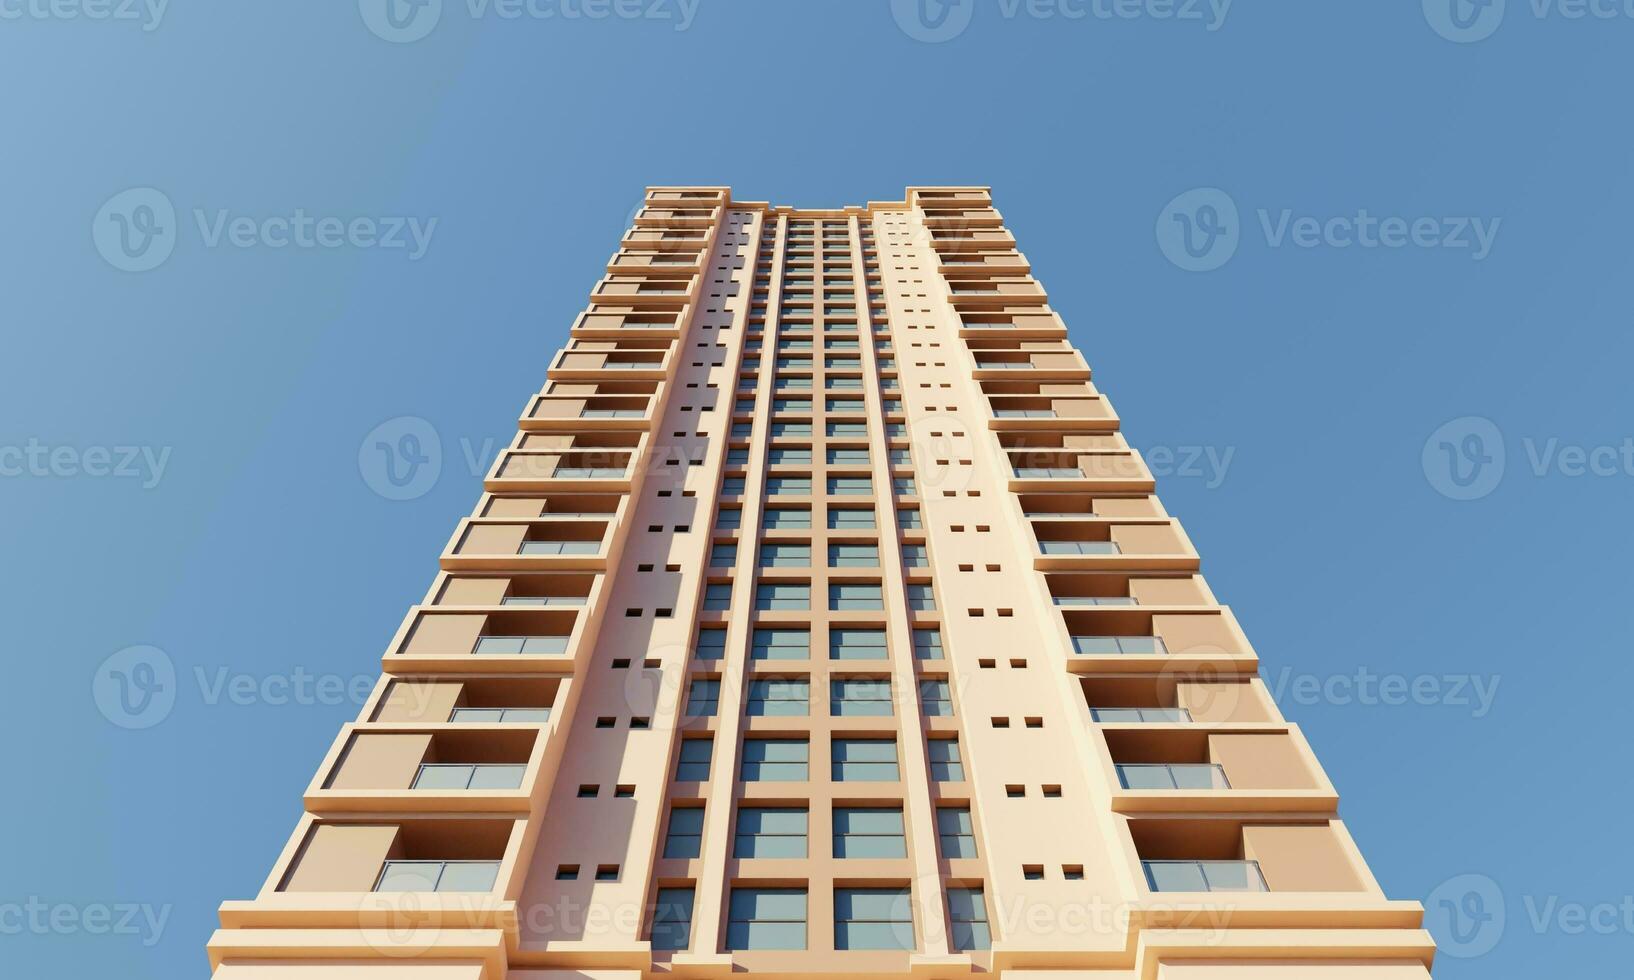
955,832
684,839
860,697
773,697
770,832
703,697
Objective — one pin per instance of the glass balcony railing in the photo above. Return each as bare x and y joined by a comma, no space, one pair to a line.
442,776
1204,876
1024,413
588,472
1119,645
500,716
559,548
1150,716
1096,600
526,645
1079,547
1184,775
1048,472
437,876
543,600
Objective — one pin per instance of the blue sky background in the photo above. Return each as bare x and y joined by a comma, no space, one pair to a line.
1324,372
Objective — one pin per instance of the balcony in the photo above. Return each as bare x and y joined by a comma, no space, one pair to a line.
437,638
655,215
653,290
529,591
949,197
1133,639
982,263
546,544
1027,359
627,358
686,197
1100,544
1010,294
610,322
970,239
481,702
473,855
398,769
1178,697
1184,855
1237,769
646,259
950,215
1052,503
1089,461
561,462
666,239
555,413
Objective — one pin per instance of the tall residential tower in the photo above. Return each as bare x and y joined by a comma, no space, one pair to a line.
819,621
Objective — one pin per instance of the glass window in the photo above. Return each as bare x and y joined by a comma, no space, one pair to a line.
781,644
864,760
856,644
729,518
685,836
914,556
956,832
903,485
927,644
778,518
783,595
946,765
785,556
861,595
850,486
791,404
703,698
437,876
869,832
766,918
526,645
935,699
860,697
853,556
967,919
766,832
848,457
711,644
873,918
693,764
723,556
847,430
792,430
920,596
775,760
780,457
848,518
672,919
779,697
718,595
732,486
908,519
788,486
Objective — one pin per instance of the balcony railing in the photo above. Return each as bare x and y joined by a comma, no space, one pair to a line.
544,600
1204,876
1146,646
1048,472
437,876
443,776
1148,716
500,716
1079,547
1173,776
1096,600
524,645
560,548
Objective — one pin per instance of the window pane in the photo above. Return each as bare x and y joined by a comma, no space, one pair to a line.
672,919
468,876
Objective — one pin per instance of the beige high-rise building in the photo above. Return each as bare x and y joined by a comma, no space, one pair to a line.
819,621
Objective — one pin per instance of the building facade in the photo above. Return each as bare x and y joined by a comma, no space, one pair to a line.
819,620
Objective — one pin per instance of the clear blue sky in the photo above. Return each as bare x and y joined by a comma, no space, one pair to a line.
1320,373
